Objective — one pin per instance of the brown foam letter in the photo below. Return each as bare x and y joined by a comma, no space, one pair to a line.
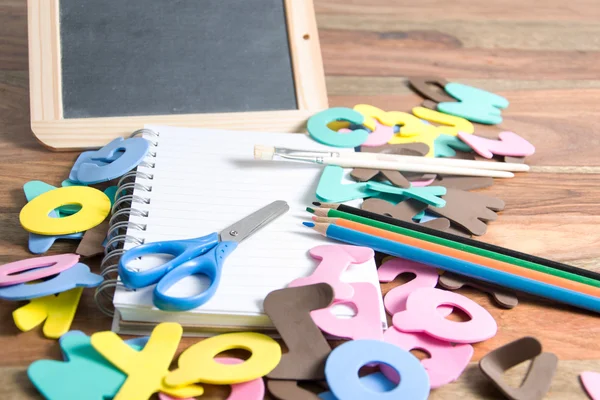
289,390
395,177
404,211
469,210
421,85
91,243
503,297
289,309
463,182
539,377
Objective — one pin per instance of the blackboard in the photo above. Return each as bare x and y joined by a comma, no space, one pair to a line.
141,57
100,69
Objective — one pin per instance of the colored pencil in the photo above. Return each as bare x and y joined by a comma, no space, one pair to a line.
455,265
460,239
469,257
331,213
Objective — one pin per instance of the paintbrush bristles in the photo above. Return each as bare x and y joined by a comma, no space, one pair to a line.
262,152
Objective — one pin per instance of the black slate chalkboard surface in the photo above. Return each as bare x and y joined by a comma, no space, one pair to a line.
101,69
159,57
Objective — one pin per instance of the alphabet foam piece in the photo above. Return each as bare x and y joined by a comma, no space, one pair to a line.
421,315
344,362
317,127
469,210
32,269
591,383
120,155
77,276
95,206
395,177
430,104
366,324
84,375
445,145
425,276
335,259
93,241
145,369
539,376
376,381
331,189
450,124
378,137
85,157
289,390
427,136
33,189
446,363
421,84
406,149
289,310
463,182
251,390
474,104
428,195
503,297
39,244
57,310
509,144
406,210
197,363
410,126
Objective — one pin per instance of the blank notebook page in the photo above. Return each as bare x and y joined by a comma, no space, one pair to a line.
205,180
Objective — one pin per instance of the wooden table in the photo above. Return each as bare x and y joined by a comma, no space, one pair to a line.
543,57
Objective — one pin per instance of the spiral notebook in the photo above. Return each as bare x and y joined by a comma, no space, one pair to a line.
198,181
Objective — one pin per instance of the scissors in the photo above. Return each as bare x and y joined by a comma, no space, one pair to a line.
202,255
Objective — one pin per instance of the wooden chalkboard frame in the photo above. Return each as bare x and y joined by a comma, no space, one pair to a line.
56,132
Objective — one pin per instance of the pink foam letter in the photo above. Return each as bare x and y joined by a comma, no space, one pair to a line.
335,259
380,136
510,144
42,267
366,324
421,315
395,299
591,383
446,364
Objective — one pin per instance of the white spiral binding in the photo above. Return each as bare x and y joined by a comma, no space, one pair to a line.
119,224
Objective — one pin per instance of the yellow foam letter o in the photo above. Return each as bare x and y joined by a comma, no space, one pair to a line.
197,363
95,206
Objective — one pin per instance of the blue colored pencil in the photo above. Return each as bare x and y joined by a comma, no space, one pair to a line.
458,266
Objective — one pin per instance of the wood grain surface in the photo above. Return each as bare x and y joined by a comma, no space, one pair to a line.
543,56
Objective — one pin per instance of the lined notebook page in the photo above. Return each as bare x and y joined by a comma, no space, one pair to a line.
205,180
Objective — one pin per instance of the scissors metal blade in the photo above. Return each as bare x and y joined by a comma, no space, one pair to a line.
253,222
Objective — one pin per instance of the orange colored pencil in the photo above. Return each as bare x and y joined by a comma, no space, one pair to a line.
462,255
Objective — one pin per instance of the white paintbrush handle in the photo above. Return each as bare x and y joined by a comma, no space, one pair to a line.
494,166
412,167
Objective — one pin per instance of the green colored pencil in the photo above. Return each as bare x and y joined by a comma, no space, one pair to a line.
333,213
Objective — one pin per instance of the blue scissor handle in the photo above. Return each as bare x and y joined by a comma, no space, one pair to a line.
209,264
183,250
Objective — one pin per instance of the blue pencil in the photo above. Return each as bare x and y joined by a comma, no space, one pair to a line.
458,266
